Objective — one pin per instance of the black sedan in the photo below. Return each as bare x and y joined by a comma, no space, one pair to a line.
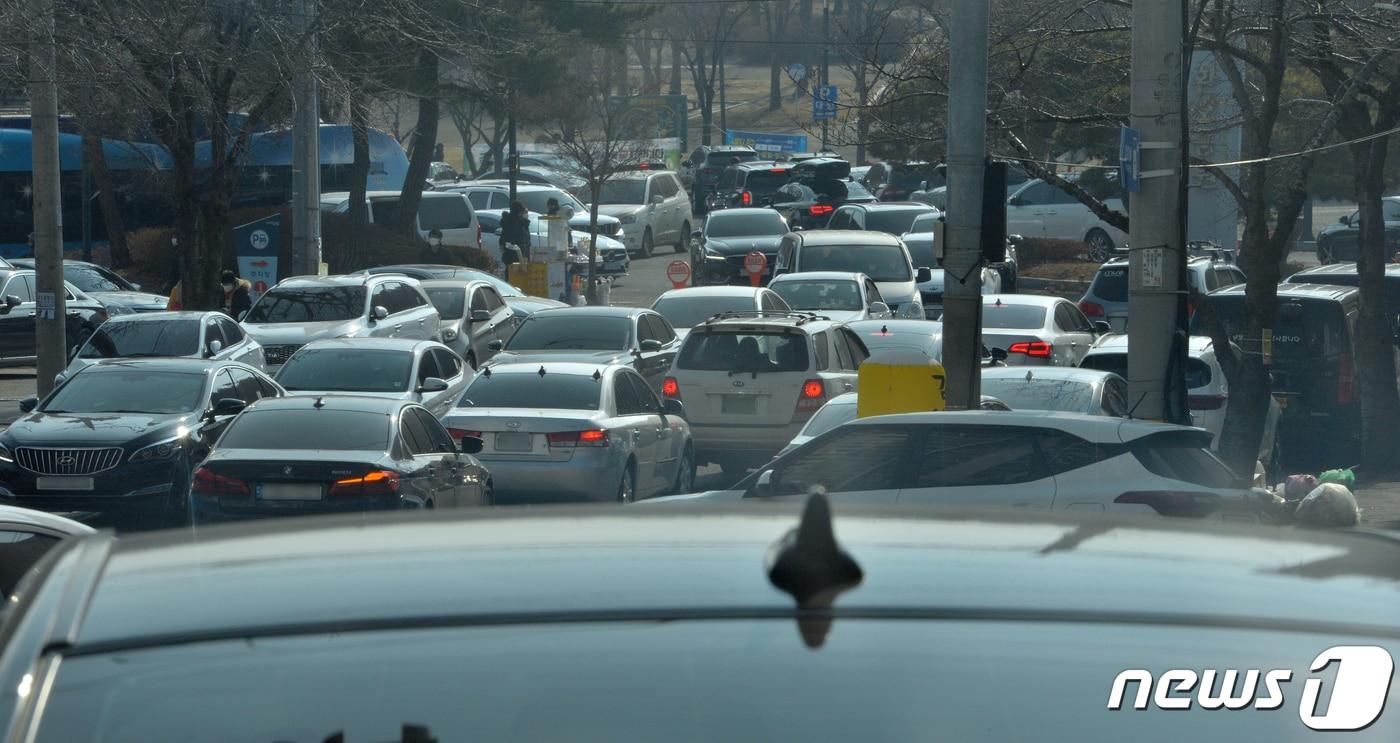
316,455
717,253
638,338
106,286
1338,242
116,442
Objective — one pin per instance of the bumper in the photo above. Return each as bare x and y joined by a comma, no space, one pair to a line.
143,496
206,509
584,477
750,445
614,266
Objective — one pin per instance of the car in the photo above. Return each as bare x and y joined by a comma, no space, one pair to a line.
495,195
750,383
1107,295
1063,389
1028,460
808,204
446,212
520,303
473,314
116,442
639,338
441,172
921,336
1040,210
1208,391
718,251
896,181
569,431
524,305
748,184
300,456
563,179
996,278
197,335
891,218
653,208
551,624
548,160
842,409
105,285
1037,331
688,307
707,162
1345,274
879,255
1338,242
25,536
300,310
18,309
612,254
842,296
423,372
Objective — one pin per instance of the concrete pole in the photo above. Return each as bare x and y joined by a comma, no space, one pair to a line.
50,329
306,158
967,155
1156,262
826,66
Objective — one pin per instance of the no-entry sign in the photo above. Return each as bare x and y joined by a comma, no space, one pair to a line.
754,263
678,272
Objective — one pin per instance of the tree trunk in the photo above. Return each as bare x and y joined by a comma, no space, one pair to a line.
775,77
862,111
1375,349
675,69
106,199
357,256
424,141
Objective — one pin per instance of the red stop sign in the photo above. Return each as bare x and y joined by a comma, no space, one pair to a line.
678,272
754,263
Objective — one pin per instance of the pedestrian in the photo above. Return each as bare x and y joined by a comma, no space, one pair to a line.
515,235
435,253
236,298
551,208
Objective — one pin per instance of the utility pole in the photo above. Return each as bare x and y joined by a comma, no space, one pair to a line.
723,100
50,330
306,155
1156,263
967,161
513,160
826,65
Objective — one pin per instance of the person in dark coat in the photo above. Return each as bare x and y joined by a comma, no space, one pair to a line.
236,299
435,253
515,231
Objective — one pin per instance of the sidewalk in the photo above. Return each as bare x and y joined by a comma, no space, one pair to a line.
1380,505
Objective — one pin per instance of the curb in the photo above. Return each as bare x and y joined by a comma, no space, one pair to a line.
1066,287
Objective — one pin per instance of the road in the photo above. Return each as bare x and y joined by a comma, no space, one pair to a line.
15,385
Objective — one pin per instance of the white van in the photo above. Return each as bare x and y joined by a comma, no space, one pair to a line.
449,213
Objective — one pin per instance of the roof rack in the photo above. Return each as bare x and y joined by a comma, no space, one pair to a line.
801,317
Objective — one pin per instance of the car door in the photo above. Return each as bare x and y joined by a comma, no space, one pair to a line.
427,481
450,369
654,364
21,546
503,319
851,464
457,482
213,333
666,433
981,466
421,320
638,429
17,324
853,354
1076,334
1025,211
872,295
222,388
239,347
1065,217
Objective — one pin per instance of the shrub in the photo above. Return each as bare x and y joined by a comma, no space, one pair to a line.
1036,251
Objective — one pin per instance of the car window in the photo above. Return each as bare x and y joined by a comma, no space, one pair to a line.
395,298
143,338
384,211
856,458
213,332
347,369
843,353
1059,196
249,390
450,212
479,299
223,388
998,314
646,329
727,179
1182,459
479,199
492,299
755,351
841,220
18,287
311,304
965,456
427,367
644,395
233,332
771,302
819,344
1037,194
625,397
19,550
1063,452
571,331
1080,322
1115,397
380,297
859,353
874,291
449,365
330,430
660,328
1111,284
436,438
662,186
267,387
415,435
1391,211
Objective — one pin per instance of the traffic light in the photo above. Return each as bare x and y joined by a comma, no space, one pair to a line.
994,212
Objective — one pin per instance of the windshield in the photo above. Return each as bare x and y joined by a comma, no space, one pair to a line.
830,416
879,262
1111,284
746,351
1064,395
1003,315
347,370
570,331
309,304
687,312
324,430
623,191
554,391
449,301
538,200
93,279
120,390
143,338
892,221
750,224
820,295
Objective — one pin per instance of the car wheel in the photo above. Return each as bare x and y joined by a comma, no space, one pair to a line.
647,245
681,242
1100,245
488,494
685,476
627,490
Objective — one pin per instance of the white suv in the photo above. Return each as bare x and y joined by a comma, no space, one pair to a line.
750,381
653,208
449,213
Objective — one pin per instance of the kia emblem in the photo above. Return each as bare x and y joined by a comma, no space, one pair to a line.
287,470
513,425
738,383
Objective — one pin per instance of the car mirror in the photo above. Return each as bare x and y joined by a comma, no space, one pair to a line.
59,379
472,445
228,406
696,235
497,231
433,384
923,185
673,407
1101,327
923,274
496,345
998,354
11,302
651,344
136,287
879,308
214,348
28,404
480,315
763,486
658,199
1016,201
1344,219
378,313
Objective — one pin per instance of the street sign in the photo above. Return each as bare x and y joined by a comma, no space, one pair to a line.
678,271
824,103
764,142
1130,159
754,263
256,246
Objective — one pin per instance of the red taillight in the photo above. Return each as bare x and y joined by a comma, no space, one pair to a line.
568,439
207,482
813,388
1034,349
378,482
458,434
746,198
1173,503
671,388
1206,402
1090,309
812,398
818,210
1346,379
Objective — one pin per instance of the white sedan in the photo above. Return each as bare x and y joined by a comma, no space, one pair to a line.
612,254
839,295
1036,330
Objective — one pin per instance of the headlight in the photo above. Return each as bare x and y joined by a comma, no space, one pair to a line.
627,219
157,451
5,455
913,309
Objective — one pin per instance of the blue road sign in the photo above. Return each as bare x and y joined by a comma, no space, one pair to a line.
1129,159
824,103
764,142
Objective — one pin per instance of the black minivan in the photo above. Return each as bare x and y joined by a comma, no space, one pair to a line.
1344,274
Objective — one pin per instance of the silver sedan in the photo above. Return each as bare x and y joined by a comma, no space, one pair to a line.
198,335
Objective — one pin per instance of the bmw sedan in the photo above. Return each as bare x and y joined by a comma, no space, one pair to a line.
196,335
115,443
425,372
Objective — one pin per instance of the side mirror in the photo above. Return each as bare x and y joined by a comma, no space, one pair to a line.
497,231
11,302
998,354
673,407
1344,219
651,344
480,315
242,315
214,348
378,313
1016,201
59,379
472,445
1101,327
136,287
879,308
228,406
923,274
433,384
763,487
696,235
658,199
923,185
496,345
28,404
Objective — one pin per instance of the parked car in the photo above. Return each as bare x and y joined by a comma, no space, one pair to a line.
996,278
495,195
196,335
707,161
105,285
301,456
686,308
116,441
25,536
298,311
896,181
570,431
1107,295
522,304
1338,242
747,184
652,207
472,315
836,295
445,211
440,172
1062,389
878,255
423,372
842,409
638,338
1208,392
750,383
718,252
1345,274
1038,209
18,309
612,254
890,218
1036,330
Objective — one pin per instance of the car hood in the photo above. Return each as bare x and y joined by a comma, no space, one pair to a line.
582,357
618,210
100,429
605,243
580,220
897,293
741,245
301,333
131,299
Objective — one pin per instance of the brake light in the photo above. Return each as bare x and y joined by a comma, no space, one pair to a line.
1346,379
671,388
458,434
570,439
812,398
378,482
1034,349
746,198
1206,402
818,210
1176,504
778,170
208,482
813,388
1091,309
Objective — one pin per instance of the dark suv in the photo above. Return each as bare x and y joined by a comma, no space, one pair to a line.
1344,274
707,162
756,183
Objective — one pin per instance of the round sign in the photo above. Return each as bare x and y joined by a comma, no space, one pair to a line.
259,239
678,272
260,287
755,262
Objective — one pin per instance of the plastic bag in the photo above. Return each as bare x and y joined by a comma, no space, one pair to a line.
1296,487
1345,478
1329,505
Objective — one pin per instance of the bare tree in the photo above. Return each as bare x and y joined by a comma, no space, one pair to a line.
707,29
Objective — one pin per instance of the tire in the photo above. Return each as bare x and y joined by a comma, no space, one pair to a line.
683,242
1100,245
685,475
648,244
627,489
488,495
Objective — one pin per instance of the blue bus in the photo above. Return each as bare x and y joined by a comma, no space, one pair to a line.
140,171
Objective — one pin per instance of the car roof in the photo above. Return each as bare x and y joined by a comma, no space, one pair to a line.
850,238
1334,292
167,316
1095,428
922,327
788,278
369,344
1070,373
594,311
159,364
572,368
807,321
894,206
1022,299
333,281
347,402
1118,343
427,284
712,291
742,211
27,517
281,576
1338,269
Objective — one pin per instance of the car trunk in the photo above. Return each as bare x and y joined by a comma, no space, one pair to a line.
522,434
1310,357
291,475
1005,339
742,377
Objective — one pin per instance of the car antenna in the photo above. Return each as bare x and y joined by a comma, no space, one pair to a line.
808,564
597,374
320,403
486,371
541,372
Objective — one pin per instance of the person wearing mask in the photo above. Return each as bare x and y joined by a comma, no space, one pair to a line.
236,299
435,252
515,234
551,208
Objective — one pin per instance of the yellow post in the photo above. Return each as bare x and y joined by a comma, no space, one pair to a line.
900,382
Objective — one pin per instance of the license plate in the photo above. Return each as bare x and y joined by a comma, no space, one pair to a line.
512,441
63,483
288,491
739,405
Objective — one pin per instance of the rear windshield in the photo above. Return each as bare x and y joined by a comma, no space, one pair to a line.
449,301
892,221
556,391
1303,329
687,312
569,331
1198,372
347,370
623,191
326,430
309,304
724,224
136,339
1002,315
1111,284
879,262
764,182
1064,395
747,352
820,295
1179,459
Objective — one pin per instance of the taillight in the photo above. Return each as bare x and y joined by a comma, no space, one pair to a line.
458,434
746,198
1206,402
1346,379
208,482
812,398
1034,349
818,210
569,439
378,482
1173,503
1091,309
671,388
